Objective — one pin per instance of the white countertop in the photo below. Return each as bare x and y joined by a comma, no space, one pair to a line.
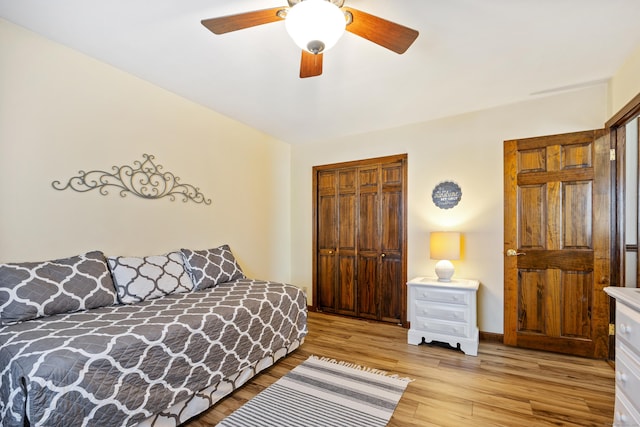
626,296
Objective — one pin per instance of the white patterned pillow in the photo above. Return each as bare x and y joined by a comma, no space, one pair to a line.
29,290
139,279
211,267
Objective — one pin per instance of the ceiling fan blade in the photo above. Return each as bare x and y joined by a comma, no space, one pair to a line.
310,65
385,33
226,24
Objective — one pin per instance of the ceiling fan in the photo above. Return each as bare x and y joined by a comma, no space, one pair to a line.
316,25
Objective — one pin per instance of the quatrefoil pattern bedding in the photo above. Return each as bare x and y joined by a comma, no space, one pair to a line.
141,278
210,267
30,290
118,365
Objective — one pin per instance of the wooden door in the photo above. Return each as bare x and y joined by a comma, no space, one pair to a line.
360,238
380,241
368,241
393,303
556,243
336,240
327,240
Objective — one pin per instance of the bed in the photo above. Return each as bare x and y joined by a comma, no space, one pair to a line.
155,362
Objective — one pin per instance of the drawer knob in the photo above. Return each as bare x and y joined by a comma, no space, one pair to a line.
620,416
625,329
621,377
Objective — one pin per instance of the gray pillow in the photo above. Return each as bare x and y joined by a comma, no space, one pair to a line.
29,290
211,267
139,279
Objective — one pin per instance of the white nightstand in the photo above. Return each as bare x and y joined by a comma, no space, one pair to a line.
444,312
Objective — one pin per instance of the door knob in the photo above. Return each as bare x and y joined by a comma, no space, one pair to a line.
512,252
383,255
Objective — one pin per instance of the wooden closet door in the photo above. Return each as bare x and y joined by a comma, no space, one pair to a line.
336,243
327,239
391,282
360,238
346,250
368,242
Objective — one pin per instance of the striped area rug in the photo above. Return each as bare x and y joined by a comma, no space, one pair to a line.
323,393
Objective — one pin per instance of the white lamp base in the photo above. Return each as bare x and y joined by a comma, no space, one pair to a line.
444,270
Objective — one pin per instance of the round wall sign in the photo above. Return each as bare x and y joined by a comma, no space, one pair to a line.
446,195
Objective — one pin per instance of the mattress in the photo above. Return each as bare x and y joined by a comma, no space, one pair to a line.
120,365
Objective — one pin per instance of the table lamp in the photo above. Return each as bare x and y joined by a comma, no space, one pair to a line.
445,246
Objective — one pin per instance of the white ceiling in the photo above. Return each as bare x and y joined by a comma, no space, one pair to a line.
470,55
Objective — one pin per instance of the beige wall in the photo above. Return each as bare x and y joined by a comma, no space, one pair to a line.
625,83
61,112
466,149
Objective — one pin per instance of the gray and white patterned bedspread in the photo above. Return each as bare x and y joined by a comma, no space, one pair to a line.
118,365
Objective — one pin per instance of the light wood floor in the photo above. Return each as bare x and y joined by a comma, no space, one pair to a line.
503,386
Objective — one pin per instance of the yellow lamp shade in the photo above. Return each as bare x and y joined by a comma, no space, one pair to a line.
445,245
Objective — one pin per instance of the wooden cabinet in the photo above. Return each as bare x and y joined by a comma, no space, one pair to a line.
627,409
360,238
444,312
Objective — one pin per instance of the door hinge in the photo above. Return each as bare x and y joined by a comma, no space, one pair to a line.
612,329
612,154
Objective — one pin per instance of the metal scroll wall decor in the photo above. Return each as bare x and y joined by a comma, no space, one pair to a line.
144,179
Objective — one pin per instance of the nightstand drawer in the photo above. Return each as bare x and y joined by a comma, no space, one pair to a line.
442,311
442,327
627,372
625,415
628,326
449,296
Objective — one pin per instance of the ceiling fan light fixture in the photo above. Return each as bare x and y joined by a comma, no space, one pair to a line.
315,25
